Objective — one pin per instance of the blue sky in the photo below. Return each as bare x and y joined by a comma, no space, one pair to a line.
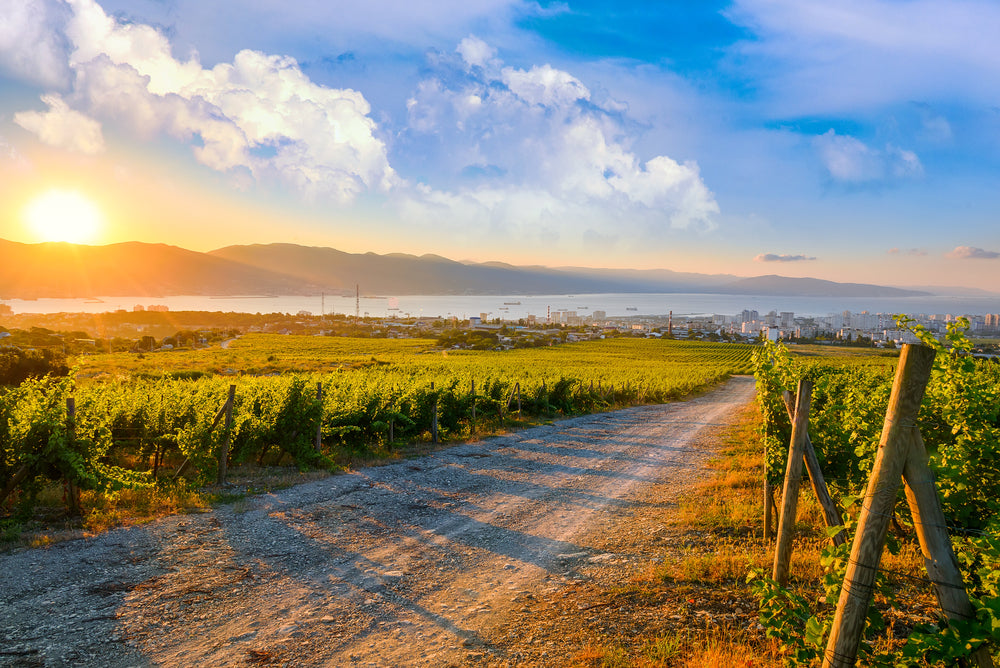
847,140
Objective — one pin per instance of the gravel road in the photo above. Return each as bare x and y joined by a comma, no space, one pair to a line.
435,561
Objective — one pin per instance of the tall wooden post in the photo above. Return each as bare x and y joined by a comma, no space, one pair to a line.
899,434
434,418
518,388
224,450
830,511
935,545
72,491
473,404
793,476
319,421
768,508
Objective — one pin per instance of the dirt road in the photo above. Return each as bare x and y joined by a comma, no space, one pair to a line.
451,559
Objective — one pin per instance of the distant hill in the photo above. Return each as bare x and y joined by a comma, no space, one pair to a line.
151,270
400,274
812,287
129,269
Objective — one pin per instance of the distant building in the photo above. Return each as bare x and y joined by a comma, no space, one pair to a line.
475,321
158,308
138,308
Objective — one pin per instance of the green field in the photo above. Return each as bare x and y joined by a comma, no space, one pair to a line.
137,415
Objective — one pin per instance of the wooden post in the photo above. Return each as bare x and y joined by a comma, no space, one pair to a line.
935,545
434,418
517,387
157,456
912,374
793,476
831,513
72,491
224,450
473,404
768,509
319,422
392,422
20,476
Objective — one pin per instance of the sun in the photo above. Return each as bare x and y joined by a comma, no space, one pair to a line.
63,215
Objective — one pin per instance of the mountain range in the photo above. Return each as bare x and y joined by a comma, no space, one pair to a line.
63,270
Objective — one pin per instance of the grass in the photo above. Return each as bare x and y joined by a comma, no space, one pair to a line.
721,525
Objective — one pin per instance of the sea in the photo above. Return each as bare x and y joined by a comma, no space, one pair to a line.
513,307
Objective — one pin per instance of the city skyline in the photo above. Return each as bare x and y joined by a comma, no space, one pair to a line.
849,141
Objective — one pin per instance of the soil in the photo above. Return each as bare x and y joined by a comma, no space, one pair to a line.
515,550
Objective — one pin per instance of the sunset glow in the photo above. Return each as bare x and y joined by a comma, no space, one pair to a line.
63,215
742,137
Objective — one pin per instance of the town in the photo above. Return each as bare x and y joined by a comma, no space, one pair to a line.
153,327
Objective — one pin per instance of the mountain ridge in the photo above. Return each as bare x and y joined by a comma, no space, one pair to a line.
63,270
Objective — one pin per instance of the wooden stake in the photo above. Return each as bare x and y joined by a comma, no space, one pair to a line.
72,491
319,422
768,509
831,513
898,431
793,476
434,418
224,450
935,545
473,404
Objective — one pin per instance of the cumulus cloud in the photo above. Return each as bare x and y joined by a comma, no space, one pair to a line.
972,253
849,160
260,113
475,52
545,86
30,48
63,127
558,158
772,257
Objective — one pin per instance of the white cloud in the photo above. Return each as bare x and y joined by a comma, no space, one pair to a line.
259,113
63,127
30,45
475,52
849,160
545,86
557,160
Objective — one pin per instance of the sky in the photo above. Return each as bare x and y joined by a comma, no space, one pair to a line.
849,140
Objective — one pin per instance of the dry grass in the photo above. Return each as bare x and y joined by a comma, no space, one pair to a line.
721,523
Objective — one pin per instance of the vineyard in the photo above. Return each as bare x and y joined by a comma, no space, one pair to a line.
958,420
128,421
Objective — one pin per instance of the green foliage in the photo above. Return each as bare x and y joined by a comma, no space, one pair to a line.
958,421
18,365
123,422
